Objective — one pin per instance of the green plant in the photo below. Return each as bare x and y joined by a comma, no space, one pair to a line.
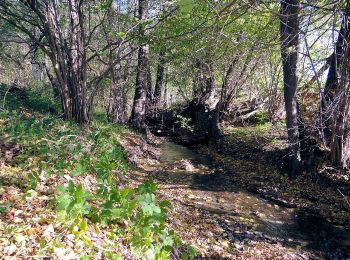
33,99
260,118
145,216
52,146
150,236
240,132
72,201
184,122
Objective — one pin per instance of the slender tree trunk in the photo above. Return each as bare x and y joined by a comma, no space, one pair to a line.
207,83
55,87
77,63
337,95
204,83
165,102
220,106
117,106
117,101
159,80
332,77
289,30
138,114
149,93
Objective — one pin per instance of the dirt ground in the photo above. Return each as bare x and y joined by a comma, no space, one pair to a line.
213,210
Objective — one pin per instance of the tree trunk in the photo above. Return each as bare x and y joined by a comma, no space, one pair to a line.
220,106
117,101
159,80
138,114
337,92
149,93
289,30
67,57
77,63
204,83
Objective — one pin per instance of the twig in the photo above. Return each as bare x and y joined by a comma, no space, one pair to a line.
345,198
4,100
59,140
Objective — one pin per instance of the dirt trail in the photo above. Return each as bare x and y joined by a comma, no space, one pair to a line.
225,222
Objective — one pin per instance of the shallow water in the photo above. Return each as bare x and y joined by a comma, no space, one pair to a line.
268,220
172,152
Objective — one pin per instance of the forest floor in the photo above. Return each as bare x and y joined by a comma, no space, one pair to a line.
230,201
278,219
253,158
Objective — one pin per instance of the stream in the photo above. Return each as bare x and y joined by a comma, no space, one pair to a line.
262,220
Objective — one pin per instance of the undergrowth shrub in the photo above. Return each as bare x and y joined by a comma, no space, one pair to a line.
240,132
260,118
13,97
51,146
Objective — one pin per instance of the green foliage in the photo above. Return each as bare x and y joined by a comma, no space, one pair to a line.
240,132
3,208
73,200
56,147
12,97
186,5
260,118
146,217
184,122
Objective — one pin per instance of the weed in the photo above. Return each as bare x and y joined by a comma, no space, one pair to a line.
239,132
53,147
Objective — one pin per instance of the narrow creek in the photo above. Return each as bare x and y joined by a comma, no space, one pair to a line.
262,219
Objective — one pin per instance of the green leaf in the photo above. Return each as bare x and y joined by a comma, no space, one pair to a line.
126,192
63,201
147,187
83,225
116,213
42,243
168,241
78,170
121,35
71,187
186,6
79,194
33,180
164,204
61,189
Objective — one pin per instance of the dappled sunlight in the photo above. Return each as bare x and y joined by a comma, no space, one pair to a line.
221,219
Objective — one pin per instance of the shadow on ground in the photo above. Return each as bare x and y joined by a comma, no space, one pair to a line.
242,217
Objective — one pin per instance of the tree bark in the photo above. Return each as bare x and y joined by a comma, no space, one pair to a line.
66,50
77,63
159,81
220,106
337,95
289,36
203,83
149,93
117,101
138,114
